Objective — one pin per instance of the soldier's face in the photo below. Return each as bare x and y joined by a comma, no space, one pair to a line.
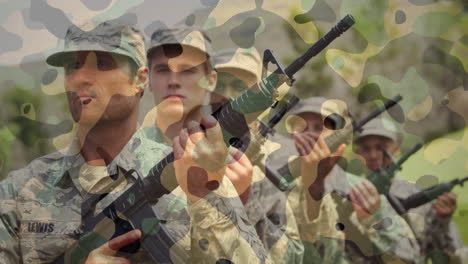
99,87
232,83
312,123
180,80
371,149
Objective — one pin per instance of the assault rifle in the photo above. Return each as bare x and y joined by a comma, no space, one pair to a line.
429,194
135,204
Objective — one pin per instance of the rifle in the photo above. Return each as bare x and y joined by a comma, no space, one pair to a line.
135,203
283,177
429,194
382,179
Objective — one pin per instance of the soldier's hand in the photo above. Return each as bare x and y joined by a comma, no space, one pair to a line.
365,199
105,253
315,156
239,170
200,157
445,204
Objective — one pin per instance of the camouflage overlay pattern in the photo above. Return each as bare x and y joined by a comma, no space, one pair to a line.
416,48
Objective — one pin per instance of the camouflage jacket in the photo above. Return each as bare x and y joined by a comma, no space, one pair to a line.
323,243
267,211
41,212
382,237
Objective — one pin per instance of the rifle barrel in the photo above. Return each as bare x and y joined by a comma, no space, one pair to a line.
346,23
378,111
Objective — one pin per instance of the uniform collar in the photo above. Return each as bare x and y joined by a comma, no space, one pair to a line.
125,160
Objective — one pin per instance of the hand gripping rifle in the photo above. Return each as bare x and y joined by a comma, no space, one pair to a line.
430,194
135,204
382,180
283,178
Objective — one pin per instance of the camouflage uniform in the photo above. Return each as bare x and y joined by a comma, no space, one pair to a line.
381,237
435,235
322,241
267,207
41,212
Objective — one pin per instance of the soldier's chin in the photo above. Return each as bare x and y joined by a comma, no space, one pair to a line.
85,118
172,110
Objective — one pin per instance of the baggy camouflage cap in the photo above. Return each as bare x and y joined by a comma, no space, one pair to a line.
242,59
186,36
380,127
110,36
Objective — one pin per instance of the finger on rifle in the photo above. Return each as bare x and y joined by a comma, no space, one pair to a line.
177,148
113,245
371,190
310,141
306,149
444,201
300,148
355,200
235,154
239,156
183,138
451,198
195,132
360,196
323,148
213,129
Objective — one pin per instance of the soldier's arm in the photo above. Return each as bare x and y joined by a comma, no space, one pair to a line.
441,231
389,233
220,229
276,225
219,224
9,222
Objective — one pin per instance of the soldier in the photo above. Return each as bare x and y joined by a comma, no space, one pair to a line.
181,80
312,123
105,74
266,206
436,233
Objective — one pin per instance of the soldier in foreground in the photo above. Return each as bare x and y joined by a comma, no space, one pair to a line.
41,204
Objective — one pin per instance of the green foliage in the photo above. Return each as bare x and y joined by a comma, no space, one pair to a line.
20,108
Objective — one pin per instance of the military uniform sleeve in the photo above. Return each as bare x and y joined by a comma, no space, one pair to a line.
9,222
441,237
220,229
323,243
288,248
390,234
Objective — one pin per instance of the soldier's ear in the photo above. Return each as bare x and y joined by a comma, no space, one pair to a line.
141,80
212,80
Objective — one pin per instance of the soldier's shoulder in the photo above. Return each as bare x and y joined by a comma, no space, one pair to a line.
40,168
